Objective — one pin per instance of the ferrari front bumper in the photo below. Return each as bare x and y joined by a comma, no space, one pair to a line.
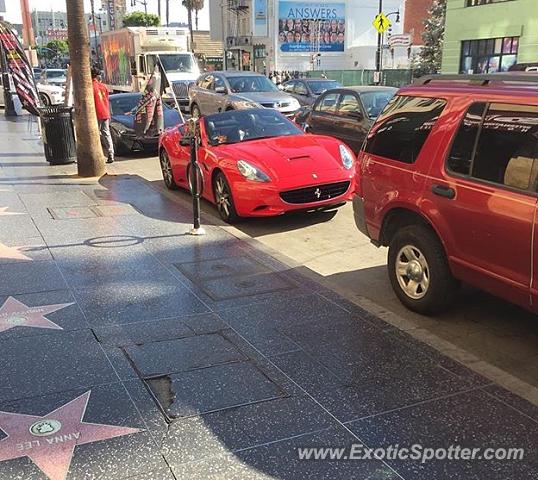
255,199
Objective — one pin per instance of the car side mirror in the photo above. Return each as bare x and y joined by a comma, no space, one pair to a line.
185,141
220,90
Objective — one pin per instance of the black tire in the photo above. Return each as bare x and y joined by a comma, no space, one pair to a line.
417,251
45,100
166,170
120,149
225,206
195,111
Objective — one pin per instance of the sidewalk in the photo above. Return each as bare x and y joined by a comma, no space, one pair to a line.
132,350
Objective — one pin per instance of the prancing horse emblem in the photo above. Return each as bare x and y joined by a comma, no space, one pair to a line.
317,192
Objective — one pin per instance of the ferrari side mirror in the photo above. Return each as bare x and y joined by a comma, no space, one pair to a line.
185,141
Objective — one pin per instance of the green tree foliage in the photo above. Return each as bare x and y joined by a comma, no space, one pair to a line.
189,5
429,59
141,19
60,47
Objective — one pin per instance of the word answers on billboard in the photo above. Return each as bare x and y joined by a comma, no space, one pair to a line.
311,27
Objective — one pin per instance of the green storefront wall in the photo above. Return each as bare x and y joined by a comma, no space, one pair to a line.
513,18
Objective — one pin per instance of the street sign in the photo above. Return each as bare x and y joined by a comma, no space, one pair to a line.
381,22
400,40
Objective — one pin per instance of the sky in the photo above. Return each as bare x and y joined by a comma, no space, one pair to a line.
177,12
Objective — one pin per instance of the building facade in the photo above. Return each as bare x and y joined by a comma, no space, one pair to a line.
486,36
266,35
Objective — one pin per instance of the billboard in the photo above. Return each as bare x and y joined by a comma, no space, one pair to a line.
260,18
311,27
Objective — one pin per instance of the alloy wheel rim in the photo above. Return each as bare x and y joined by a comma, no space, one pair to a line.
166,169
222,197
412,272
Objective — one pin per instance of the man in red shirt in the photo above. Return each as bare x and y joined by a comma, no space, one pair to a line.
102,108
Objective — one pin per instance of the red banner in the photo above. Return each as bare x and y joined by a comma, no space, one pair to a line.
19,68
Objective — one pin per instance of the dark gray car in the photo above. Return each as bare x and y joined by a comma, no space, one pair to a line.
346,113
307,90
235,90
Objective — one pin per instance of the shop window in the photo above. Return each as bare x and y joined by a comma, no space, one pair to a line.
488,55
476,3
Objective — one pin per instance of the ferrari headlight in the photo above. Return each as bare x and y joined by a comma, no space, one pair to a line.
244,104
346,156
250,172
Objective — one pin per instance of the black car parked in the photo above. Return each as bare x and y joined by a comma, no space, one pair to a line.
123,106
307,90
345,113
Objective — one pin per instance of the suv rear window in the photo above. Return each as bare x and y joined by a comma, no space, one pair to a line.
499,145
403,127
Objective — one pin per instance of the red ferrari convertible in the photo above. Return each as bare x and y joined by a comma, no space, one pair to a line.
258,163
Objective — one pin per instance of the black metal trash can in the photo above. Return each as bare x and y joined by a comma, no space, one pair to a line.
58,134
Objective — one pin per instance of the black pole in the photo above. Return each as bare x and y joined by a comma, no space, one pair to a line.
194,183
378,65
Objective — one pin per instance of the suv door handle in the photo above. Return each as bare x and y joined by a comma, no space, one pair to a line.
444,191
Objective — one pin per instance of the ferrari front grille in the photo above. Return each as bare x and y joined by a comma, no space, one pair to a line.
315,194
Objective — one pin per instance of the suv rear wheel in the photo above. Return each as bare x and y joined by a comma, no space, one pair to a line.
418,270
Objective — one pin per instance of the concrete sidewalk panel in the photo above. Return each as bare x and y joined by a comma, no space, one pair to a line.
180,355
131,302
30,277
214,388
470,420
43,364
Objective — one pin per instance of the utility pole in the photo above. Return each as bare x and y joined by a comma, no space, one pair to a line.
159,9
167,13
92,5
378,64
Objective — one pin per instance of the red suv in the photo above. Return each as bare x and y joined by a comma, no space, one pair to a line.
448,180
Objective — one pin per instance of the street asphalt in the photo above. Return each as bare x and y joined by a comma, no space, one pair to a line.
130,349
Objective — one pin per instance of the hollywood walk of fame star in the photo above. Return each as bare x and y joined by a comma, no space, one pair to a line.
50,441
12,253
3,211
16,314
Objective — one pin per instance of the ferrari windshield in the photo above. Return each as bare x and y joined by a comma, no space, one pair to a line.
251,83
238,126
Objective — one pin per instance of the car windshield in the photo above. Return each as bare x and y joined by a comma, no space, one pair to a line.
56,73
177,62
242,125
125,104
319,86
374,102
251,83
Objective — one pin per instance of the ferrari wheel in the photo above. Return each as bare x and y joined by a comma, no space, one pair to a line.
166,168
224,199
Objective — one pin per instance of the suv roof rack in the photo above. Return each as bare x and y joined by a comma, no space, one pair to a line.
481,79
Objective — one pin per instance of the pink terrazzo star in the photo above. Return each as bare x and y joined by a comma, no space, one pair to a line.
16,314
12,253
50,441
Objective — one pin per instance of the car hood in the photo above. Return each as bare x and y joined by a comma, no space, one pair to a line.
285,157
263,97
171,119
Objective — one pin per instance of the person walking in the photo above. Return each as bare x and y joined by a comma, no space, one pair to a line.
102,108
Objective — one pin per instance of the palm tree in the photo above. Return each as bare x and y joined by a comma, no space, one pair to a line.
90,159
189,5
197,5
